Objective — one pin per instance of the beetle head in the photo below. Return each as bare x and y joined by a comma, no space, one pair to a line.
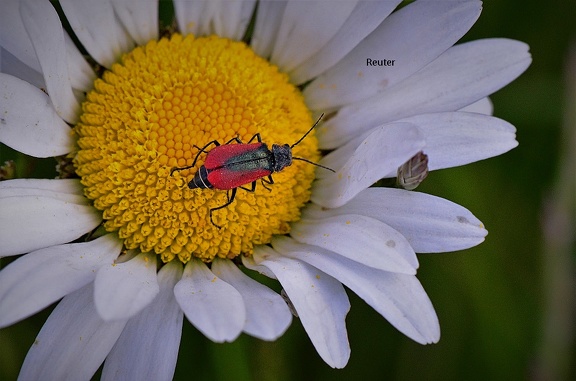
282,156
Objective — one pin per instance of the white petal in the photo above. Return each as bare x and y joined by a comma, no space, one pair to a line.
365,17
400,298
361,239
82,76
412,37
13,36
231,19
98,29
431,224
73,342
267,315
121,290
222,17
11,65
266,27
380,154
461,76
40,278
459,138
483,106
33,222
29,123
148,346
319,299
189,15
262,270
67,190
47,36
301,21
139,17
401,137
210,304
65,186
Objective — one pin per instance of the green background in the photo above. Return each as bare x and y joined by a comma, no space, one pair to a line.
506,307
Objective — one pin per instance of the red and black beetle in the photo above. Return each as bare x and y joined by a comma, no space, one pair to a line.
230,166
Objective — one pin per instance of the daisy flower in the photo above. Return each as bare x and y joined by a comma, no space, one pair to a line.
131,250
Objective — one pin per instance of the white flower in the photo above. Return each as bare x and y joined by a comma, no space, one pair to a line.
125,297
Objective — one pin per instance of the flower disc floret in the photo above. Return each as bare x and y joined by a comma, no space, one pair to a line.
152,111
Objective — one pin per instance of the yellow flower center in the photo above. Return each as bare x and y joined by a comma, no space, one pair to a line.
152,111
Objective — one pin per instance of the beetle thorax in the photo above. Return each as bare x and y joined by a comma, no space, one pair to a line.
282,156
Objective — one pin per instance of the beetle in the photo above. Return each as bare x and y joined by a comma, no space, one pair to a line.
230,166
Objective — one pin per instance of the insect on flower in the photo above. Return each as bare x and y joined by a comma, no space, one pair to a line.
230,166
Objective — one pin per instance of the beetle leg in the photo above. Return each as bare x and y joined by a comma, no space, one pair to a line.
236,139
269,181
179,169
203,149
230,200
257,136
252,187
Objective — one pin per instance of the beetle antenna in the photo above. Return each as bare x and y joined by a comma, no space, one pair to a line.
306,134
313,163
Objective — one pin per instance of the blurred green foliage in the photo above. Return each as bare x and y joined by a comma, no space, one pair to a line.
489,299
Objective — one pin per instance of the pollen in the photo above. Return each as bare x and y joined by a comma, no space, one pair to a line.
153,110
